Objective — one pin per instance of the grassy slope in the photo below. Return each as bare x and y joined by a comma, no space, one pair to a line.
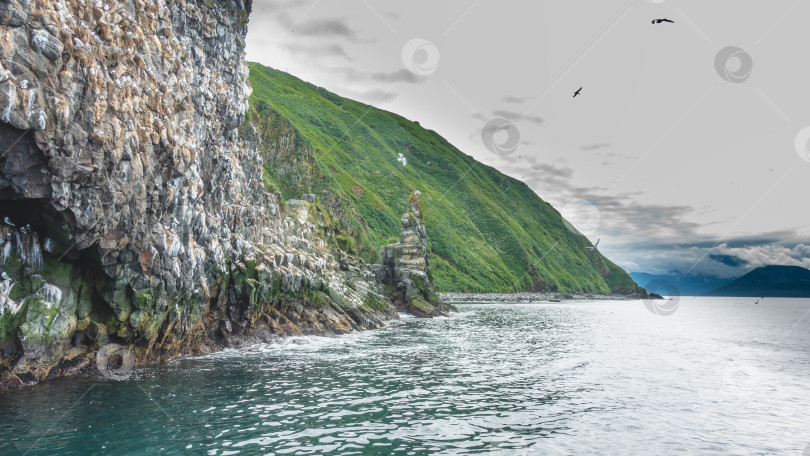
487,232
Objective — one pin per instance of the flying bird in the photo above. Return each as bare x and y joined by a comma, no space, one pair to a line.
5,276
594,246
577,92
7,221
658,21
402,160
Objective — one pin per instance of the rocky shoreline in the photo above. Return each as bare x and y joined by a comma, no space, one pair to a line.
134,207
533,297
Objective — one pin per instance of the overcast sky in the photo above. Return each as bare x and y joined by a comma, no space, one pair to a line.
675,158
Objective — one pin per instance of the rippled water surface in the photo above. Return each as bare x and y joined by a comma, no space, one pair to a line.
720,376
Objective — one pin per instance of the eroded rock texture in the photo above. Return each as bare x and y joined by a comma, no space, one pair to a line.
136,210
405,270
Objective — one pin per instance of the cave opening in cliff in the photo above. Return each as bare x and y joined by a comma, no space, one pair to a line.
96,287
23,185
22,212
59,251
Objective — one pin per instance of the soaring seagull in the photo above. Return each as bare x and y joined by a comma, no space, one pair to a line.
594,246
577,92
658,21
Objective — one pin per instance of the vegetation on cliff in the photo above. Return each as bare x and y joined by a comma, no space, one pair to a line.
488,232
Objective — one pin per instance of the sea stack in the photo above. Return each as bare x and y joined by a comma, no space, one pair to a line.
405,270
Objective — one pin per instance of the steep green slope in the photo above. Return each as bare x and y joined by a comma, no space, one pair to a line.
488,232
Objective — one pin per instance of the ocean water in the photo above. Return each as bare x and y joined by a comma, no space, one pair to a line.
718,376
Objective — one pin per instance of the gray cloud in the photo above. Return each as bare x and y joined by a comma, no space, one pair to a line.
660,230
711,261
346,71
281,12
311,50
269,5
388,78
516,100
543,178
728,260
595,146
706,242
616,155
561,173
326,28
516,116
401,75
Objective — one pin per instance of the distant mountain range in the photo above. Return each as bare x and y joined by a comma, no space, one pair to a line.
687,284
768,281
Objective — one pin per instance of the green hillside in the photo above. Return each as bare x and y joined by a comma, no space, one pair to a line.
487,232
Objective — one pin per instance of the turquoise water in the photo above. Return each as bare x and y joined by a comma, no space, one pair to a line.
719,376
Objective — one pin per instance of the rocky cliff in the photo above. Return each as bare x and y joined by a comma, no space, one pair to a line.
133,204
405,270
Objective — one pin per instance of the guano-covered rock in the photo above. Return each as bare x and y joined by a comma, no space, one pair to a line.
132,203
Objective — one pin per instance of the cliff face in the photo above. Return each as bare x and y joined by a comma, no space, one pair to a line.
136,209
289,160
